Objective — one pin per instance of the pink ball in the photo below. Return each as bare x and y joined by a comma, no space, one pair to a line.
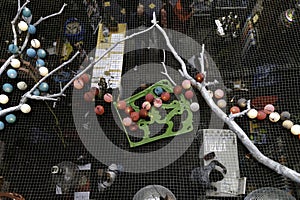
219,94
146,105
269,109
189,94
127,121
78,84
186,84
157,102
108,98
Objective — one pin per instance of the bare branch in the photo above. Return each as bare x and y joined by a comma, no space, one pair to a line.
167,75
10,109
19,4
52,15
7,62
232,116
215,82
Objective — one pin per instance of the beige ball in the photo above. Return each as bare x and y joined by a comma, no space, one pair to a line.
287,124
35,43
274,117
22,85
22,26
25,108
3,99
43,71
221,103
252,113
15,63
295,129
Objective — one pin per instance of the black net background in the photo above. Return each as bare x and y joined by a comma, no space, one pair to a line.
33,144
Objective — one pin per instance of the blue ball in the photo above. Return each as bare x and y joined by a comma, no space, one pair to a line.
41,53
13,48
40,63
1,126
158,91
11,118
31,52
7,87
44,87
11,73
0,108
31,29
36,92
26,12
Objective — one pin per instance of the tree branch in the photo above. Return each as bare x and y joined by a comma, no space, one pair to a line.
232,116
167,75
7,62
44,18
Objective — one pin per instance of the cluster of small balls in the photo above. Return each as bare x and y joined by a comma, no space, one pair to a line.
81,81
189,94
218,95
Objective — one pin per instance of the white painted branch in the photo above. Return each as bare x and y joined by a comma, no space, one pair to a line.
10,109
24,43
19,12
215,82
19,4
44,18
167,75
201,59
232,116
7,62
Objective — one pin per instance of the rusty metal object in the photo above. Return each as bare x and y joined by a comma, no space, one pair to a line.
14,196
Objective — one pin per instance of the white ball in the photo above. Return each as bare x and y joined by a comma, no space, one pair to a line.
221,103
22,85
295,129
3,99
252,113
25,108
194,106
23,26
35,43
287,124
15,63
43,71
274,117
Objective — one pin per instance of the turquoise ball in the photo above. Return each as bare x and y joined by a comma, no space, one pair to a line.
158,91
1,126
26,12
7,87
36,92
0,108
44,87
11,73
13,48
40,63
11,118
31,52
31,29
41,53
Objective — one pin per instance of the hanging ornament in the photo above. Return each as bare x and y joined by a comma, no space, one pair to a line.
252,113
21,85
35,43
26,12
295,129
31,29
31,53
268,109
25,108
43,71
285,115
242,103
219,94
194,107
41,53
287,124
2,126
40,63
12,48
15,63
3,99
11,73
274,117
23,26
44,87
221,103
7,87
10,118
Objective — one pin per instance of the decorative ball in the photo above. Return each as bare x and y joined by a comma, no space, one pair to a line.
7,87
165,96
133,127
199,77
10,118
44,87
157,102
287,124
274,117
1,125
31,53
149,97
40,63
78,84
211,94
108,98
189,94
26,12
194,107
242,103
219,94
25,108
36,92
177,89
43,71
95,91
3,99
234,110
11,73
85,77
15,63
295,129
31,29
285,115
35,43
261,115
41,53
221,103
269,109
186,84
252,113
128,110
99,110
23,26
158,91
135,116
143,113
121,105
127,121
89,96
13,48
146,105
0,108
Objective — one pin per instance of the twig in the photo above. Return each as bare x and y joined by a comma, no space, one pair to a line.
232,116
7,62
52,15
215,82
167,75
19,4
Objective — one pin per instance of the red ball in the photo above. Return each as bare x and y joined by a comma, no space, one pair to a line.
89,96
99,110
165,96
128,110
235,110
149,97
135,116
94,90
177,89
85,77
199,77
108,98
189,94
143,113
261,115
121,105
